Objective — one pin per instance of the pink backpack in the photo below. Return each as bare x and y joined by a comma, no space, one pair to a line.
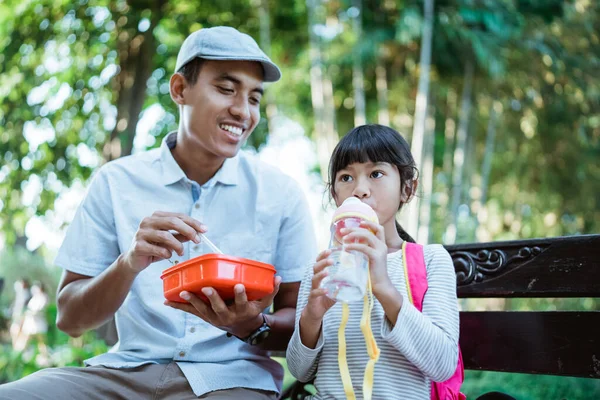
416,273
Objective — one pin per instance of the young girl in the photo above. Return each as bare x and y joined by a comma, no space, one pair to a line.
374,164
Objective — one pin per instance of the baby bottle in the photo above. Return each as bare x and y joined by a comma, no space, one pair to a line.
347,277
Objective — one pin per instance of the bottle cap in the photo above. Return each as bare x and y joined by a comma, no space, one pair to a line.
353,207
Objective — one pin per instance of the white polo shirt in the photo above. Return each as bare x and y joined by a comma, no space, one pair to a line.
251,210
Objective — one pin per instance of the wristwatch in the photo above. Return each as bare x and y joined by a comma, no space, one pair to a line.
258,336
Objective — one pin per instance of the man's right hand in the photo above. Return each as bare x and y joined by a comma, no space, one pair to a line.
158,236
86,302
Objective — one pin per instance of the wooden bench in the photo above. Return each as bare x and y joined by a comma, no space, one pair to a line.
535,342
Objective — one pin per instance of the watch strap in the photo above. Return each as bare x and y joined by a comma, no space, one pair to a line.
258,335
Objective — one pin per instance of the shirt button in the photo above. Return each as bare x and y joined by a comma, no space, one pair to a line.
197,205
182,354
192,329
196,248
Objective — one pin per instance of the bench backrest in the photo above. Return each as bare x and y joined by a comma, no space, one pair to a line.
536,342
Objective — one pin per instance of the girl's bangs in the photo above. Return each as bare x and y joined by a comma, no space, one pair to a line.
361,148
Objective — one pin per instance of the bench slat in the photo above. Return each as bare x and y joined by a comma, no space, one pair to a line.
554,267
554,343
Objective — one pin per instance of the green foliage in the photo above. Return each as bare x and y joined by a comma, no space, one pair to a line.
61,65
18,263
64,352
45,46
60,73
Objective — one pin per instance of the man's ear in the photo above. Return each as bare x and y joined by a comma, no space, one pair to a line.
177,86
409,190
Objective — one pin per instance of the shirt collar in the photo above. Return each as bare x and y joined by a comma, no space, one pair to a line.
172,172
228,173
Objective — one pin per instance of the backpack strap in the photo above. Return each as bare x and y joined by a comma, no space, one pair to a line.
415,273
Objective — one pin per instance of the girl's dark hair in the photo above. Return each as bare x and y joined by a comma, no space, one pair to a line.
374,143
191,70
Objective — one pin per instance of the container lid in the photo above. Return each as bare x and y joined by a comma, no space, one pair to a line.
353,207
213,256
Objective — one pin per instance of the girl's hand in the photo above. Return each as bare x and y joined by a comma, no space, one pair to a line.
369,239
318,301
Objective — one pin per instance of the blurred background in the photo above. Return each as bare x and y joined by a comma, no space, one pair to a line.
500,100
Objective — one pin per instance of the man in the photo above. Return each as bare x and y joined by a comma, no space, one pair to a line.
145,211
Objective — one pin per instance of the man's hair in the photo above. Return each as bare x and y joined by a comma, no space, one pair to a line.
191,70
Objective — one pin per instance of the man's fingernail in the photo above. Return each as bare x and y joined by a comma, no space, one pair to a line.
239,289
207,291
184,295
204,227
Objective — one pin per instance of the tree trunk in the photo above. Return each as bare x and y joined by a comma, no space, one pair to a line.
449,135
427,176
330,125
329,112
412,213
360,116
468,233
459,152
383,115
490,138
135,67
265,43
488,155
449,143
317,90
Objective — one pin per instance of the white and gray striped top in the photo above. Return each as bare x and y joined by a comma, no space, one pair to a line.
418,349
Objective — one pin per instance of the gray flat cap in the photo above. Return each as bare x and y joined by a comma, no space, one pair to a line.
225,43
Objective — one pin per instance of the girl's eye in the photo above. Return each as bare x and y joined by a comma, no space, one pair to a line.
345,178
376,174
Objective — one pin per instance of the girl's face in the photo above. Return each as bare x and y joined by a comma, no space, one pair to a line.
376,184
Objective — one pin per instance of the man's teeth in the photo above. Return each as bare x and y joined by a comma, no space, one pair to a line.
236,131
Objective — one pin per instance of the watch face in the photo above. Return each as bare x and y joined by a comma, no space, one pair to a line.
260,336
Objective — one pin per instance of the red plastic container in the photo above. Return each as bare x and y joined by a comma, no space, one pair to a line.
220,272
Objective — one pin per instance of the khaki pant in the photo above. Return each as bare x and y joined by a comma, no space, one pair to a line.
147,382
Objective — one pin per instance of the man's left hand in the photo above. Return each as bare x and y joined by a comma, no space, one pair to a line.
240,318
